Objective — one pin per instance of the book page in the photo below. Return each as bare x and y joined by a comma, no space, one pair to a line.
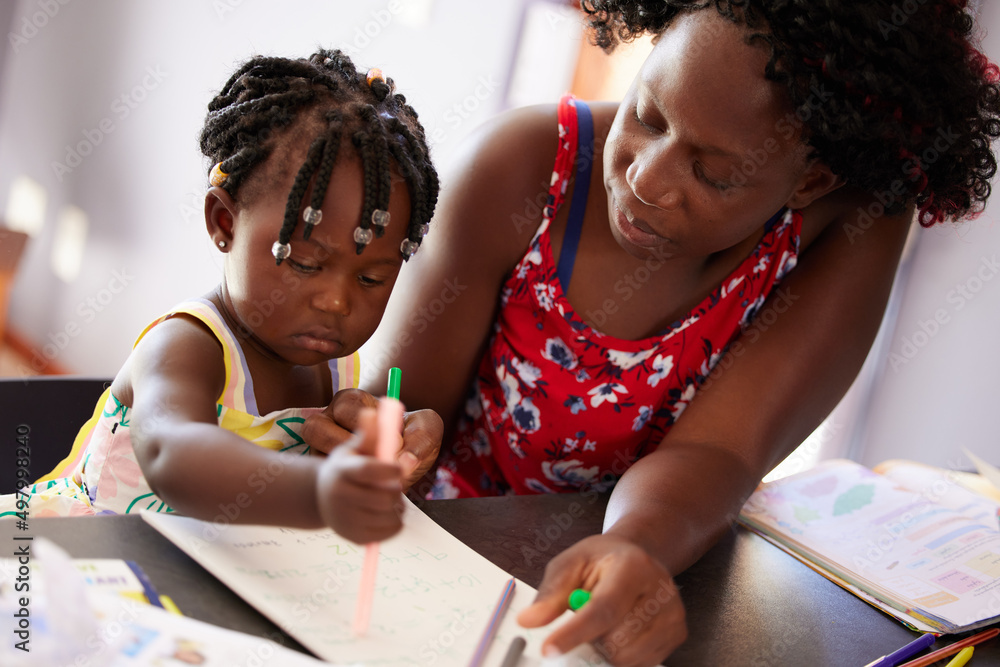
918,551
433,595
948,487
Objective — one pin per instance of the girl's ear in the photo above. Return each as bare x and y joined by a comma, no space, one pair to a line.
816,181
220,211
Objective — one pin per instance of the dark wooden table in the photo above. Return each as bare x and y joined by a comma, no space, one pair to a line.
748,604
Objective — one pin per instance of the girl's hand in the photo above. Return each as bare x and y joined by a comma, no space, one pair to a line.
635,615
422,431
359,496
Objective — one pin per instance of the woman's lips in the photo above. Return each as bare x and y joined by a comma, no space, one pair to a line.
636,231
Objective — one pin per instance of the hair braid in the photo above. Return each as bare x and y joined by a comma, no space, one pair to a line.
266,96
298,191
325,167
363,143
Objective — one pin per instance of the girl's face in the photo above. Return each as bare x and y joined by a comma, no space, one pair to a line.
324,300
702,151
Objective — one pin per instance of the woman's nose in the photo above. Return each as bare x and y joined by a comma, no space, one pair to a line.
652,183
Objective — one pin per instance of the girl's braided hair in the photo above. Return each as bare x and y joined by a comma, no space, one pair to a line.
891,94
266,95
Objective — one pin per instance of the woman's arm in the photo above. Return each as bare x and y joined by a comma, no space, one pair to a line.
444,303
771,390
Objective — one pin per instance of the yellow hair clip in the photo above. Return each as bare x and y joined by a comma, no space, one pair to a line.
374,74
217,177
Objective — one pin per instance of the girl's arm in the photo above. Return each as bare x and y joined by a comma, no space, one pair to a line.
771,390
176,374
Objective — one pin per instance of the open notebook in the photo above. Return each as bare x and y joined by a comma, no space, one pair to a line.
910,539
433,597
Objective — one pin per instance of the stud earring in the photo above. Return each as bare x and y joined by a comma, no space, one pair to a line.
222,244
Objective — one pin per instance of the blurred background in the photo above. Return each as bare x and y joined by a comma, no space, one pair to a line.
102,184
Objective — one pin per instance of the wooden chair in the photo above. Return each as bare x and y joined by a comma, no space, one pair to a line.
48,411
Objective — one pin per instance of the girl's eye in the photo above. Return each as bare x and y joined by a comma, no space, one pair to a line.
302,268
368,281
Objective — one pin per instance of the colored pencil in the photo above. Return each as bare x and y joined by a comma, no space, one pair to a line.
491,627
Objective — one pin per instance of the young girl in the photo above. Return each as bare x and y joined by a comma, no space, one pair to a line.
766,161
321,186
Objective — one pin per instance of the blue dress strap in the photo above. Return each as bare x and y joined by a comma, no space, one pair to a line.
774,218
581,188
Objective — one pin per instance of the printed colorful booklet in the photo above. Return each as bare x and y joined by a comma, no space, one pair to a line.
434,595
910,539
106,612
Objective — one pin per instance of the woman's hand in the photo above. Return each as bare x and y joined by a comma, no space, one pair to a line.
422,432
635,615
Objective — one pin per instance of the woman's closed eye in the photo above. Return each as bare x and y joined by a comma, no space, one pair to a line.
644,123
720,185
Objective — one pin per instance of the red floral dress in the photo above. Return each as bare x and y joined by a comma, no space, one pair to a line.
557,406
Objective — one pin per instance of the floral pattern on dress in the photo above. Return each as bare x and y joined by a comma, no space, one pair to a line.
557,406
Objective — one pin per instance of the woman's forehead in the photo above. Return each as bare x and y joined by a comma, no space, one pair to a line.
704,62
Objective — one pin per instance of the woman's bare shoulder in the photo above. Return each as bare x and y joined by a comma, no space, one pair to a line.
494,189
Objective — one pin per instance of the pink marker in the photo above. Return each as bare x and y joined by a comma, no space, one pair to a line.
390,425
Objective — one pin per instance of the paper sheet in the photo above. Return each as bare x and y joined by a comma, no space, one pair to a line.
990,472
434,595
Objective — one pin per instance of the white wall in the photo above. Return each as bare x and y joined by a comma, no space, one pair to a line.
933,385
65,72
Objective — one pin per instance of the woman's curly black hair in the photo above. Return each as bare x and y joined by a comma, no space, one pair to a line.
912,106
266,95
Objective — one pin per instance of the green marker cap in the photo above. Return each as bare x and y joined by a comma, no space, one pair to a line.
578,598
395,380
